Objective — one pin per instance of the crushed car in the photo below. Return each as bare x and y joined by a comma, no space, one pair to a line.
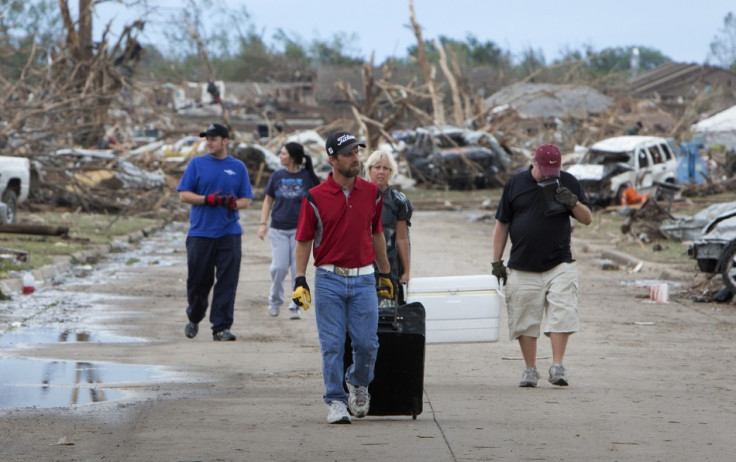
715,249
454,156
645,162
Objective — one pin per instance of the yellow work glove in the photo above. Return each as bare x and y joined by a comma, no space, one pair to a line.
301,295
385,286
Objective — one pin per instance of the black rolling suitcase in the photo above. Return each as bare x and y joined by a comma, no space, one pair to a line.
398,383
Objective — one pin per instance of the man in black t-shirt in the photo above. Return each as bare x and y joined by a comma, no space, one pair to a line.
534,211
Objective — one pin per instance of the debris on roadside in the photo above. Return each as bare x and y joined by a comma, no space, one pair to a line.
644,223
15,255
606,264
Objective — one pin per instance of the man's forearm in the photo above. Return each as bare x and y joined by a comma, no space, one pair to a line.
301,256
379,249
500,235
582,213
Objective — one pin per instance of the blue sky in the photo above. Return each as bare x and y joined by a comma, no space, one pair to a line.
681,30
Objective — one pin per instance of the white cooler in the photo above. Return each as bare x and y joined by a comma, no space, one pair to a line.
459,309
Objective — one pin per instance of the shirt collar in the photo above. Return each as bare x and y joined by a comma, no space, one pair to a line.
335,187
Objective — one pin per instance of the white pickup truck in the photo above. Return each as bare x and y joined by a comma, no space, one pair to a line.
15,180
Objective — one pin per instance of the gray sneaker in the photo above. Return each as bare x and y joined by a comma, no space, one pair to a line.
359,400
191,329
557,375
223,336
338,413
530,377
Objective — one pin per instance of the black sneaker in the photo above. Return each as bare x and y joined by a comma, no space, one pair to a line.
223,336
191,329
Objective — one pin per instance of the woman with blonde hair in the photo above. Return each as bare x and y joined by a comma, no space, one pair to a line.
380,168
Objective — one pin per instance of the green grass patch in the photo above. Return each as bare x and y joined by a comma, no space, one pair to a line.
85,231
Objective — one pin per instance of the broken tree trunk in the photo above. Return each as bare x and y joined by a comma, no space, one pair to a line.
457,106
471,110
41,230
427,70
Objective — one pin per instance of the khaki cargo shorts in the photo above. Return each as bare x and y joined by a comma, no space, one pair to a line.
552,294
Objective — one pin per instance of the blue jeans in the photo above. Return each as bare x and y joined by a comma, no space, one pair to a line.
283,246
346,304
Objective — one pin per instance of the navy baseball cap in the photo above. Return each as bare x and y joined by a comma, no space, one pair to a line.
216,130
341,142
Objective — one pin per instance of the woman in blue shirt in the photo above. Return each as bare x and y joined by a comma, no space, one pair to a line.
283,200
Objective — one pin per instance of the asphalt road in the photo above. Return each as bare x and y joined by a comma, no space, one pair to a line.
648,381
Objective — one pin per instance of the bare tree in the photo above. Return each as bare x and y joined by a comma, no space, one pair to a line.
385,103
69,94
723,46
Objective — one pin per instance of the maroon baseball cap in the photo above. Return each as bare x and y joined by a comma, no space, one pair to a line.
548,159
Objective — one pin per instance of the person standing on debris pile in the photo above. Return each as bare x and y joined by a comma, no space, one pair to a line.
342,219
283,199
541,273
214,92
634,130
380,168
217,186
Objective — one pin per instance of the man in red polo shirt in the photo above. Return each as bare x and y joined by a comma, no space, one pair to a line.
341,218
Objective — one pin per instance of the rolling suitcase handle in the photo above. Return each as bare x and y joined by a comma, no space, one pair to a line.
395,308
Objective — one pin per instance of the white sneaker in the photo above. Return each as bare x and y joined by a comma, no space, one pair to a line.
557,375
529,377
338,413
273,311
294,313
359,400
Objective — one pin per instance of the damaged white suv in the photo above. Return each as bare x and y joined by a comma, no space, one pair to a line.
15,178
643,161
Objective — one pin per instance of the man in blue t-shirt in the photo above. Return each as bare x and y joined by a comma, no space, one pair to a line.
217,186
535,211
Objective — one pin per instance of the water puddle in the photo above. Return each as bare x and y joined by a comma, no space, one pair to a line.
59,312
52,315
46,384
46,335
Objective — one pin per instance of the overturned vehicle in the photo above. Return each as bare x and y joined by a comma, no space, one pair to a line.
715,250
456,157
609,166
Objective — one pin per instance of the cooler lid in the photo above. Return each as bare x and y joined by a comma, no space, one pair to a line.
441,284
